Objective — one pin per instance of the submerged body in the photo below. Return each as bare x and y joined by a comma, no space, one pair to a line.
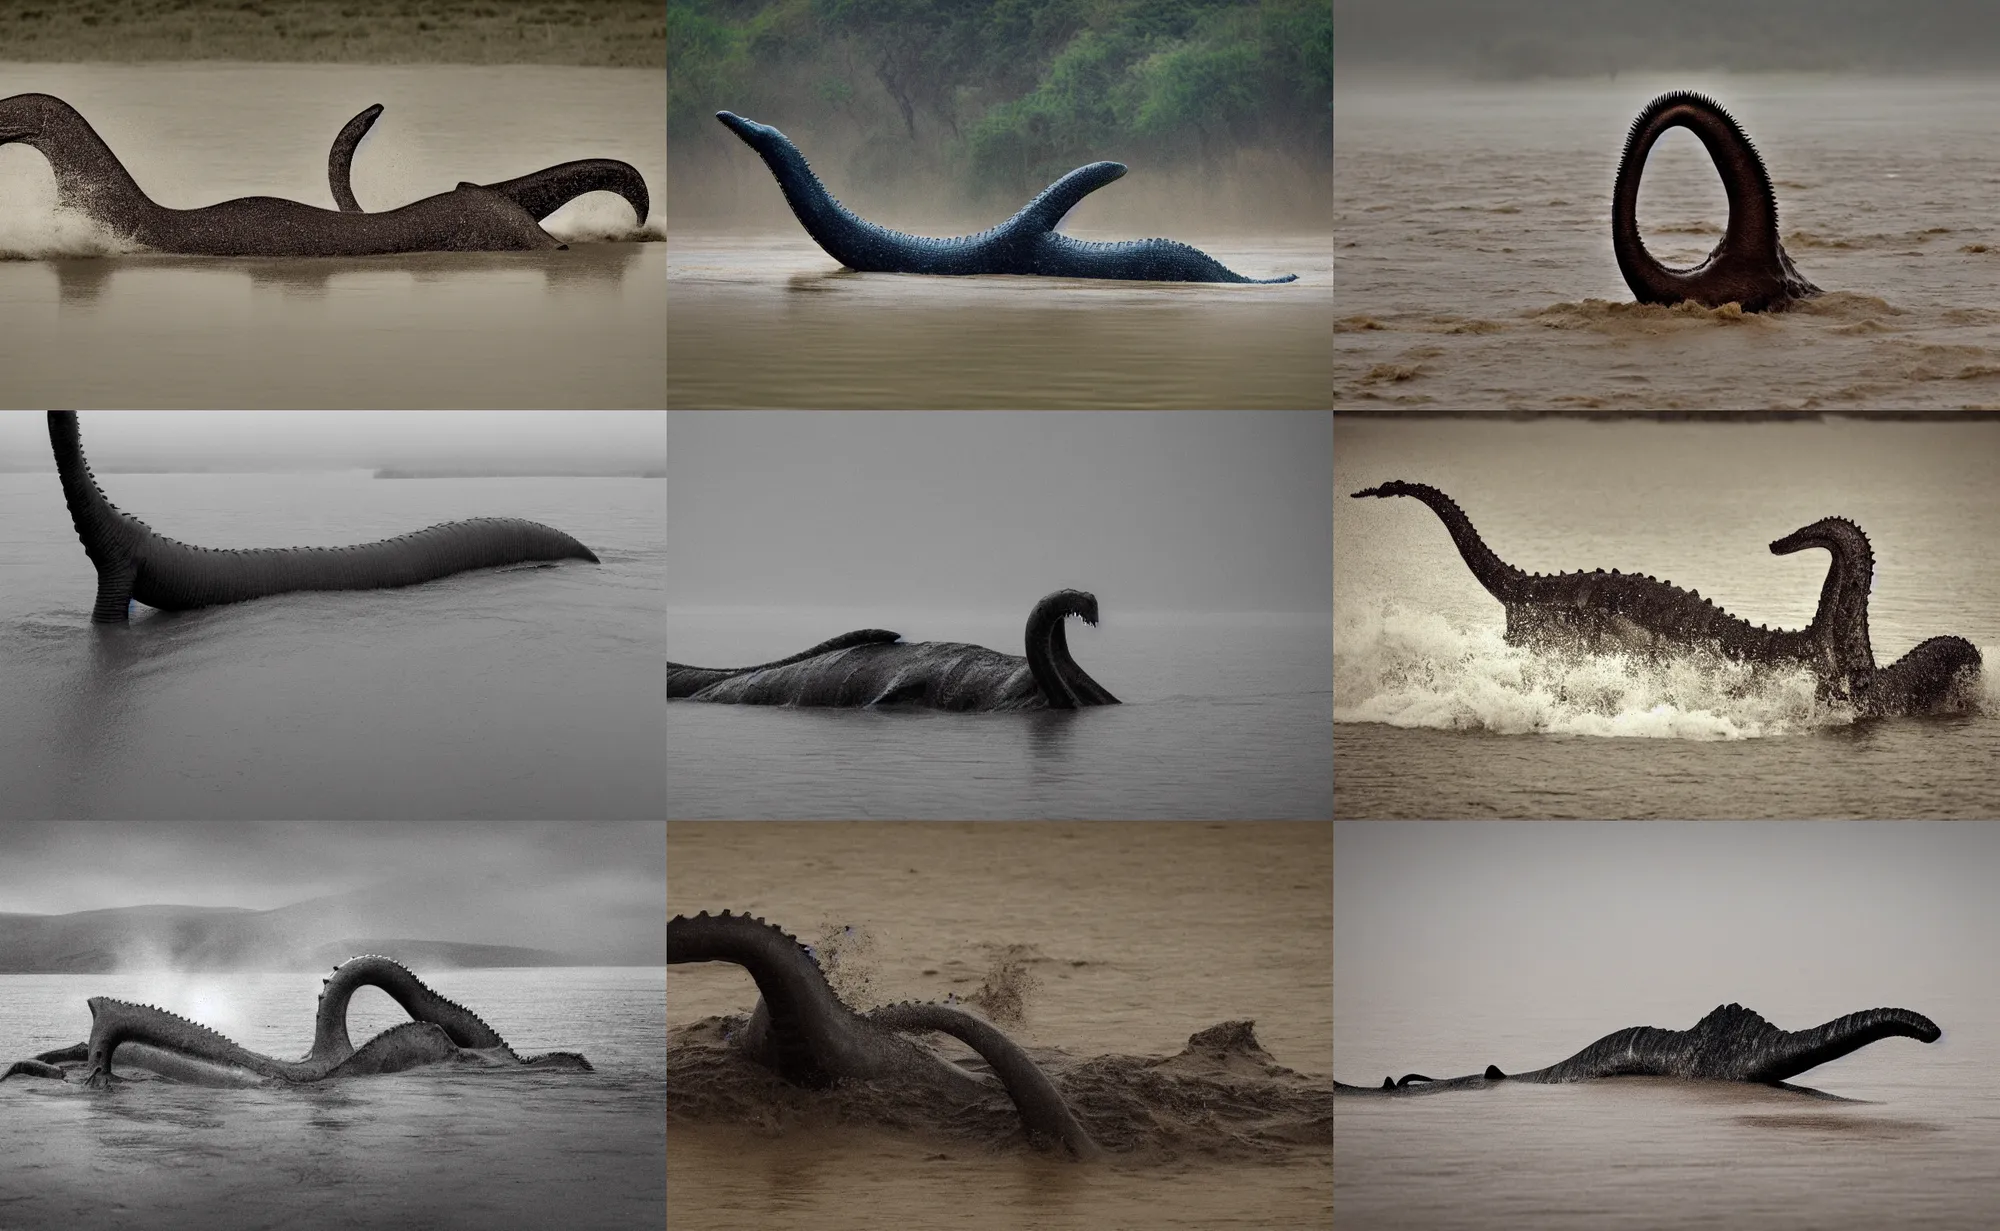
1600,612
1027,243
1749,266
441,1031
91,179
1731,1044
871,667
134,563
804,1033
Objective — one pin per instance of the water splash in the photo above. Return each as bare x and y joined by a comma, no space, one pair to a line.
1409,668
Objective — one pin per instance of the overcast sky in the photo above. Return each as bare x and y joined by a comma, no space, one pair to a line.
1151,511
1431,919
540,884
566,440
1530,38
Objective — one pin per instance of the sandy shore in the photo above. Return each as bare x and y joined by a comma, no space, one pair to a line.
593,33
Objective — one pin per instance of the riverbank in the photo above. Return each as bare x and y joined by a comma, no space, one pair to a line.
597,34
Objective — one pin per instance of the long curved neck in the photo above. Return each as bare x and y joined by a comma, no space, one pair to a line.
544,192
330,1042
801,1009
1502,580
1752,233
1044,623
1839,628
1086,690
89,176
110,536
1793,1052
846,237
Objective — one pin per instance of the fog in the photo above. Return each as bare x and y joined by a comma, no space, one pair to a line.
594,890
1252,190
1534,38
1158,511
465,442
1827,917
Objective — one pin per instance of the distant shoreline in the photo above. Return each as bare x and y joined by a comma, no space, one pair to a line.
384,473
394,472
600,34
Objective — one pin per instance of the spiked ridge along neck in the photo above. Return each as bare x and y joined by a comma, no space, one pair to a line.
1702,102
1749,266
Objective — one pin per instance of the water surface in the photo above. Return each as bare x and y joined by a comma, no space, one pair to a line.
770,320
1476,271
84,322
1221,716
1459,946
1124,939
1437,716
420,1148
532,691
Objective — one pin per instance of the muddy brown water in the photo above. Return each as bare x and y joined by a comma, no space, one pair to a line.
769,320
85,321
1129,936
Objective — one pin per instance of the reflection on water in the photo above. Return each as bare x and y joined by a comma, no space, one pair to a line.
771,320
574,328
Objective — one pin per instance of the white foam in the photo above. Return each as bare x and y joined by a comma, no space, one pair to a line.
32,228
1409,668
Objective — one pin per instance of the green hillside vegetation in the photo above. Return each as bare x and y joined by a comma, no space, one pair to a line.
1006,95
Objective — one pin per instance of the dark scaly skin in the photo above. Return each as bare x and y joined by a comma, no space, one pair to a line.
1623,611
441,1031
540,193
1027,243
90,179
863,668
133,562
1749,266
803,1032
1730,1044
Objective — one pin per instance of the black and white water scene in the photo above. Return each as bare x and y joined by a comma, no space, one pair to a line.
265,615
1642,618
998,614
467,1001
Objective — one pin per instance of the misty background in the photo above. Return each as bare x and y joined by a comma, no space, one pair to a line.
1467,934
1461,945
934,113
458,442
189,895
1517,39
1189,511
